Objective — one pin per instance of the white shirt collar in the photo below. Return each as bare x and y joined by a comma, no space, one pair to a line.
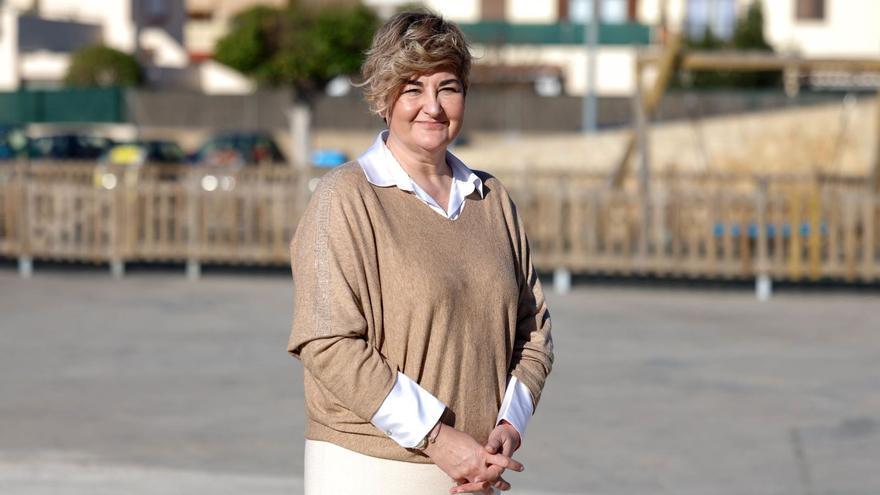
383,170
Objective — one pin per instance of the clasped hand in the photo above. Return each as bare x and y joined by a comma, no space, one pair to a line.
474,467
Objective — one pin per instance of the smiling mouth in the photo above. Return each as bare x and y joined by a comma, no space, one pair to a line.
432,124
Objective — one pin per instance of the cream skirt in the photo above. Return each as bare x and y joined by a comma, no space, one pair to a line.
333,470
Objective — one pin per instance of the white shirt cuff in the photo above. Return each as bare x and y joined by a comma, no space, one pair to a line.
516,407
408,413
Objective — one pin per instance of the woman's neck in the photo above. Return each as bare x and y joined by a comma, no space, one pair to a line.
422,164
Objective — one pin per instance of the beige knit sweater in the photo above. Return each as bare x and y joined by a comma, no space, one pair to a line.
380,286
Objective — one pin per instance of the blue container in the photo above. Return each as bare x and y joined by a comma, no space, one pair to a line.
328,158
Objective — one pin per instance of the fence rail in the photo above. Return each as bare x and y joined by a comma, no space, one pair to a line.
785,227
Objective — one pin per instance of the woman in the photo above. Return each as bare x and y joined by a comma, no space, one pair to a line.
418,317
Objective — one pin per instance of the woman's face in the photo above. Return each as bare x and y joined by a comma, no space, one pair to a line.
428,113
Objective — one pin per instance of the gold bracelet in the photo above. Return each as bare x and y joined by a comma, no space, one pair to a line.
433,438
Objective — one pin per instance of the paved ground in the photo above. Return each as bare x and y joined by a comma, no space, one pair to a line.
154,384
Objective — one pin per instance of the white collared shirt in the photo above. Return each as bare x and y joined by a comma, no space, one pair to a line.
409,411
383,170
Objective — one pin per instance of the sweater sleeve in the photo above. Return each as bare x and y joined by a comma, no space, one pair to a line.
329,333
533,346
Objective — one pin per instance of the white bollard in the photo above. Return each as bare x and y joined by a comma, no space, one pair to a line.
763,287
562,281
193,270
117,268
25,267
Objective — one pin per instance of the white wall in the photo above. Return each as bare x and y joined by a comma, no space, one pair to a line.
531,11
20,5
44,66
114,15
615,65
459,11
167,52
8,50
851,28
215,78
649,12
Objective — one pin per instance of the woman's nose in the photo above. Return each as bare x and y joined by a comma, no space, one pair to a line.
432,105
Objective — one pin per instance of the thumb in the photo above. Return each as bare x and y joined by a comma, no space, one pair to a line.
493,445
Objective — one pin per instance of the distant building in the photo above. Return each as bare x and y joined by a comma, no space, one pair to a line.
37,39
521,42
824,28
543,42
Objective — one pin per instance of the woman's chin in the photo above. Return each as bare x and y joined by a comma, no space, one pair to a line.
433,144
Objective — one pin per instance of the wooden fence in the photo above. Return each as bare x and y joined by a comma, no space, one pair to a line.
785,227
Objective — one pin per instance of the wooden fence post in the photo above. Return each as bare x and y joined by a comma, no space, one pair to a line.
868,224
114,224
795,249
25,259
763,282
193,264
814,242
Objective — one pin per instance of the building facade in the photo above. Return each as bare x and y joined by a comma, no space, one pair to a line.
37,39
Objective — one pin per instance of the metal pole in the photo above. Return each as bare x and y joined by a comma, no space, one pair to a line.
875,169
591,38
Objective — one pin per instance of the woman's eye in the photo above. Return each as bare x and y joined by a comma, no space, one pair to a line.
411,91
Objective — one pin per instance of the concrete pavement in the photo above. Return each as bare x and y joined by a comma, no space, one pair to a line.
154,384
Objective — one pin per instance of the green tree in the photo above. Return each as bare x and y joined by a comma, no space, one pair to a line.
748,35
99,65
296,46
749,31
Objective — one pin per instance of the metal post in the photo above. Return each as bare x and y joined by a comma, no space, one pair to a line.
193,228
763,282
591,39
117,268
193,269
763,287
642,144
25,266
562,281
875,170
300,121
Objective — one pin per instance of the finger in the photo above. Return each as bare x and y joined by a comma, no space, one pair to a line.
474,487
494,445
506,449
505,462
502,485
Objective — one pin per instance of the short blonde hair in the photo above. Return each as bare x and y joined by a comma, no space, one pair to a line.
408,45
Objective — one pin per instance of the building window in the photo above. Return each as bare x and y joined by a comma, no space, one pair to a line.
716,16
810,10
610,11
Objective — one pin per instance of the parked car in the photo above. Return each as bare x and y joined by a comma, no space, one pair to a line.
126,160
145,150
238,149
69,147
13,142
